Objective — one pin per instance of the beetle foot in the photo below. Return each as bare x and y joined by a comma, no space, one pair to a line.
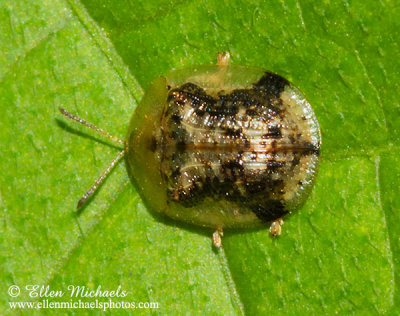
276,227
222,59
217,237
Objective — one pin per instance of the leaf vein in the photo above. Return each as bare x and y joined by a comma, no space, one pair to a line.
24,54
230,283
107,48
386,219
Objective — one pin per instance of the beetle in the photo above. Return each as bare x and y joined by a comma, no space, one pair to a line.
221,146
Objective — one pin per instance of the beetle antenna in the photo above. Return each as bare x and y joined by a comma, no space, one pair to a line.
90,125
97,183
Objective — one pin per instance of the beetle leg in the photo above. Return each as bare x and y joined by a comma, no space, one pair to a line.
222,59
217,237
276,227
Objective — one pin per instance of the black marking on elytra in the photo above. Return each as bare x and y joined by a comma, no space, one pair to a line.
262,97
226,104
233,133
181,146
255,187
176,118
278,102
173,134
176,173
251,112
270,210
273,132
200,112
273,165
247,143
153,144
191,93
191,88
310,149
295,161
316,150
272,83
231,170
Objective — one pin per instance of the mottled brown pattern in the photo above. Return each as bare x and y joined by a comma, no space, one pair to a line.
245,145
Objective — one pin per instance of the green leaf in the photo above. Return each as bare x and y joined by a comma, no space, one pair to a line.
340,253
